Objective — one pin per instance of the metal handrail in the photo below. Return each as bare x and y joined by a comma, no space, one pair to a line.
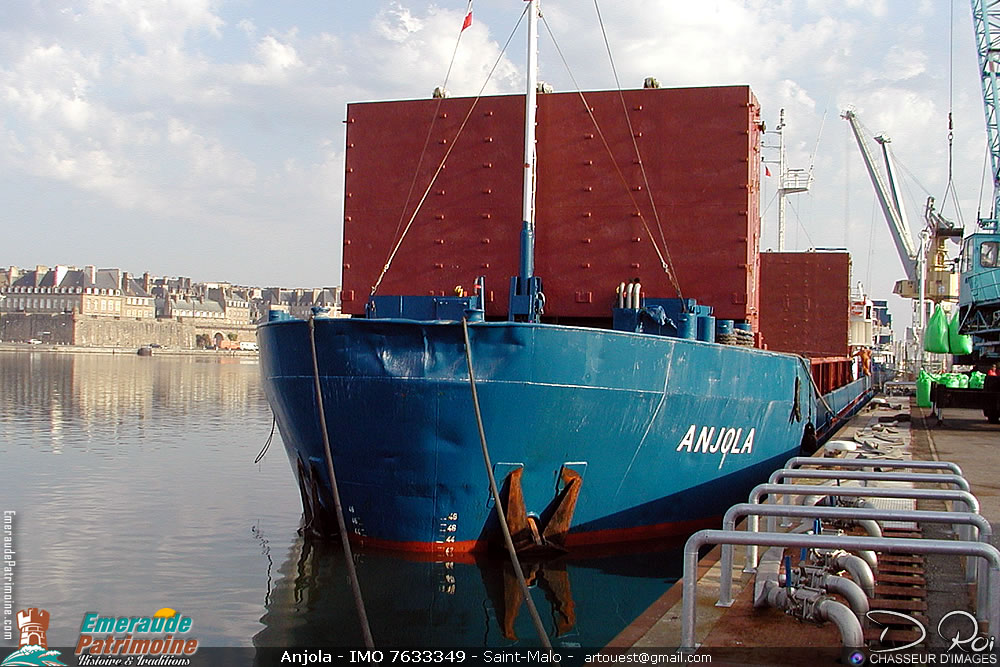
864,476
803,461
736,512
971,502
885,544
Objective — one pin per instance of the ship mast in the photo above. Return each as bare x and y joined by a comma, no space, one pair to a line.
526,298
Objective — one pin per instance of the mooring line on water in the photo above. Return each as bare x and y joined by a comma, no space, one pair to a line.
352,573
495,492
274,422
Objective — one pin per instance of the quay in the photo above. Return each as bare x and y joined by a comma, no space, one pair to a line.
46,348
936,587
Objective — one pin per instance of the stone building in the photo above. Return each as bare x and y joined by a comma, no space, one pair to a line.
63,289
112,308
219,312
298,303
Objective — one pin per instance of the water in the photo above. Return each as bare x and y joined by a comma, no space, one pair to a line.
135,488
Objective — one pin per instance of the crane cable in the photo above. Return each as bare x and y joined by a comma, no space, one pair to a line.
950,188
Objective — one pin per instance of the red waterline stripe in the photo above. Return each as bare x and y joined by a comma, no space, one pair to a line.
583,539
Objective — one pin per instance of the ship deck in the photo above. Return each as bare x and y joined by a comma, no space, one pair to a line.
961,436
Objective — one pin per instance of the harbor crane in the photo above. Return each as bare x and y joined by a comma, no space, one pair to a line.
979,297
928,270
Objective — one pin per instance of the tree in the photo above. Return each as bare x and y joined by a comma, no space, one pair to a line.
231,336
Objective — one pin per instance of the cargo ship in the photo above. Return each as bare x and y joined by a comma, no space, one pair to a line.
614,407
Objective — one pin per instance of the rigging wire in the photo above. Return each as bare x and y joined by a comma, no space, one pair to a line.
628,121
430,128
774,197
899,163
871,243
665,262
668,266
798,219
451,146
819,135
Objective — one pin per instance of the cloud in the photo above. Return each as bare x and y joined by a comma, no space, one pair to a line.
276,62
410,53
219,120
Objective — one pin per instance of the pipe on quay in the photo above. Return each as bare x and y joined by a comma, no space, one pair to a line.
737,512
852,636
858,569
856,598
846,620
689,590
761,490
815,461
826,609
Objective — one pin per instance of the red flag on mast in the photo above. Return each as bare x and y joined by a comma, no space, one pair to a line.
468,17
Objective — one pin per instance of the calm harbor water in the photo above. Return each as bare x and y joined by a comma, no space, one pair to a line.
135,488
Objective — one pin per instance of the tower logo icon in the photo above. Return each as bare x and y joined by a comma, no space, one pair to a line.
33,624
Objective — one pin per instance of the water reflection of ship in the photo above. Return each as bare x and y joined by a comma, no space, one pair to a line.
469,603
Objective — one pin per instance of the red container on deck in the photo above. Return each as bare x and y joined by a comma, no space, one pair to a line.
806,302
701,151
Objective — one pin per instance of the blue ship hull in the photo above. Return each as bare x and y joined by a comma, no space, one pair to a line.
664,433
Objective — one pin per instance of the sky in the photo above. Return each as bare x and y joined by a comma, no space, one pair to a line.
205,138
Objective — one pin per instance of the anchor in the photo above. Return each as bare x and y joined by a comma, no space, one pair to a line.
539,535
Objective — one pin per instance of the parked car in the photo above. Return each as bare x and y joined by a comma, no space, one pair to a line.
34,341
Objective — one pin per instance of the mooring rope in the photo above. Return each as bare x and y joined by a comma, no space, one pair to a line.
352,573
274,422
816,389
495,492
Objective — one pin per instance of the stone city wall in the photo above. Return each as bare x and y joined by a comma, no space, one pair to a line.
92,331
109,332
48,328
